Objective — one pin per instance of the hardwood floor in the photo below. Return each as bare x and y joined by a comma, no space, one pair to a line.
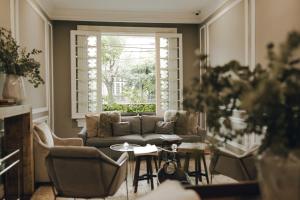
46,193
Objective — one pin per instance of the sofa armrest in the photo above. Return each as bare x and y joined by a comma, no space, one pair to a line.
82,135
68,142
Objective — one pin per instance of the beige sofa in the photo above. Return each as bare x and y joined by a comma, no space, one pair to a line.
44,139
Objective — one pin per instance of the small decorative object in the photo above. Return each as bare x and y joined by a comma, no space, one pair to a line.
125,145
14,88
268,99
174,147
16,63
7,102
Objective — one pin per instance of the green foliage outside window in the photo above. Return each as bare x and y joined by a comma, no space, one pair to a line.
130,108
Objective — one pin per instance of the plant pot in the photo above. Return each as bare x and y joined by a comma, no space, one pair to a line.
14,88
279,177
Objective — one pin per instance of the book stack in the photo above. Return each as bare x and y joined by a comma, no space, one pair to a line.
7,102
146,150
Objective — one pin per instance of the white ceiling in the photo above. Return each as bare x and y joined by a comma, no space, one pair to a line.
159,11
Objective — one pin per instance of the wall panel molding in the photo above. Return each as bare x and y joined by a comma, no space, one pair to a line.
249,49
47,52
246,26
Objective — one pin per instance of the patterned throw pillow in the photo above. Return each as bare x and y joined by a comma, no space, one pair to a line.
164,127
105,123
185,122
121,128
92,121
44,134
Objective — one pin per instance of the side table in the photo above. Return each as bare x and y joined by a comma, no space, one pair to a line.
148,157
198,151
125,147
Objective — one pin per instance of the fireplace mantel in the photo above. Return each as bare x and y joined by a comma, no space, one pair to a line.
18,136
10,111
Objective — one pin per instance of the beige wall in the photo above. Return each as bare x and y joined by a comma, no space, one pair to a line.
64,125
274,19
225,35
5,14
5,23
32,31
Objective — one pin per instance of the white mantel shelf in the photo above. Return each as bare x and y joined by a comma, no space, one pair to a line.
9,111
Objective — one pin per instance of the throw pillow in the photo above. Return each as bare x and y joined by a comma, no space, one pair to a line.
135,123
106,119
92,121
44,133
121,128
149,123
164,127
192,122
180,119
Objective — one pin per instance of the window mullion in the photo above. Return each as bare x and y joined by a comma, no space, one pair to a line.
99,74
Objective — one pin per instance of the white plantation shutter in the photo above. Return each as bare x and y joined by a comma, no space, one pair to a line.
85,73
169,86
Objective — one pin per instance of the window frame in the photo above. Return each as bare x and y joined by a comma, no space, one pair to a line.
100,30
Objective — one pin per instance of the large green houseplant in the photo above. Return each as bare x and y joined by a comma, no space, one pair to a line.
269,99
16,63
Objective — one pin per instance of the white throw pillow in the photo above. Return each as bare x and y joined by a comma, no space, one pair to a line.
44,134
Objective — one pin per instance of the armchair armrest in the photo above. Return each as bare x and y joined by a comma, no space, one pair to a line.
67,141
123,159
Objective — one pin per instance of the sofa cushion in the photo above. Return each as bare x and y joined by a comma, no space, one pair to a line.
135,123
107,141
153,139
92,121
164,127
149,123
44,133
121,128
105,122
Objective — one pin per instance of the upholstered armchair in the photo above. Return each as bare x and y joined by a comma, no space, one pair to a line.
240,167
85,172
44,139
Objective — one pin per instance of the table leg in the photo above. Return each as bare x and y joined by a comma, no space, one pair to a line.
136,173
186,162
200,168
205,168
196,170
150,174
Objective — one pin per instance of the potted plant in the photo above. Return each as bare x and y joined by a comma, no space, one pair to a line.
269,99
16,63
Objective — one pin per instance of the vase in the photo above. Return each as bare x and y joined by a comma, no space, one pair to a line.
279,177
14,88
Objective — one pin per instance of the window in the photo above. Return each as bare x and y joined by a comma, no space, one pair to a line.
130,72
